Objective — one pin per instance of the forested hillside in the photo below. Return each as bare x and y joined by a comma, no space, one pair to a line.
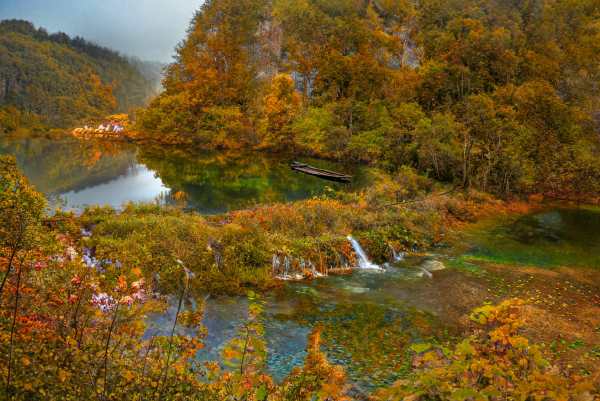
58,81
501,95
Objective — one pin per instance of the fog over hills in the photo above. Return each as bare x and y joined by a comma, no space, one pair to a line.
148,29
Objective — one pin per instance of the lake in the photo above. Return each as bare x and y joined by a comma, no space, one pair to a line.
74,174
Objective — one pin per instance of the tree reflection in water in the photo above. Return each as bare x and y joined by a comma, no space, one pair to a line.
97,172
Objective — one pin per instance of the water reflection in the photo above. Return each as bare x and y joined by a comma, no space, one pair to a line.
60,165
145,184
217,182
91,172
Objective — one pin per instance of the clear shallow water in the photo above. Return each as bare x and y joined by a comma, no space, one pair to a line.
366,326
75,173
369,319
552,238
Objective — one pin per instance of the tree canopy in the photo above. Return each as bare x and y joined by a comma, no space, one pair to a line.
495,94
59,81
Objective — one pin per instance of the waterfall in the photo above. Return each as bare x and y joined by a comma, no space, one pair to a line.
276,264
287,265
396,256
313,269
363,259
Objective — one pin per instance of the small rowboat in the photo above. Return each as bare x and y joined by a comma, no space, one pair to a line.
318,172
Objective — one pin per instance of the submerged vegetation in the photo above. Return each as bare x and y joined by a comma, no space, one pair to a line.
78,291
495,362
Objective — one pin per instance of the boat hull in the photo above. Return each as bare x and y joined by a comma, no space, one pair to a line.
320,173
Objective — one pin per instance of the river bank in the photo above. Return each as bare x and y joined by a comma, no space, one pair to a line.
576,195
306,238
140,277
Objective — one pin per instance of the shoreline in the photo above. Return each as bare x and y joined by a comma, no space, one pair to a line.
136,137
151,247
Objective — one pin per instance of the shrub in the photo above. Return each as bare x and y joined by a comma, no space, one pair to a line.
495,362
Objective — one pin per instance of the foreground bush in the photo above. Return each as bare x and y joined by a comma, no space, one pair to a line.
74,323
496,362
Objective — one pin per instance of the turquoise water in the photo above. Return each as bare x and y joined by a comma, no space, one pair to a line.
370,318
75,173
552,238
366,324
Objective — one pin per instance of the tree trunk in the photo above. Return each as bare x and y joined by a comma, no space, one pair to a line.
466,161
8,269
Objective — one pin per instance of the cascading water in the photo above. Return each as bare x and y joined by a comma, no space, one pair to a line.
276,265
287,264
363,259
396,256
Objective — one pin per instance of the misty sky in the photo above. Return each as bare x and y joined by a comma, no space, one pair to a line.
149,29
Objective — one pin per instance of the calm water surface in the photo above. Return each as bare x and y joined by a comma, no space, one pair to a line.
75,174
368,319
552,238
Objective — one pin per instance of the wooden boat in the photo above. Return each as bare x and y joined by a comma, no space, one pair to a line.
318,172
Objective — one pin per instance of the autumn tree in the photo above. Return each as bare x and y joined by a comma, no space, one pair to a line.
216,67
437,142
501,96
53,80
281,105
21,211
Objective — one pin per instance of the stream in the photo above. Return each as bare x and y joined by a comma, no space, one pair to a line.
370,318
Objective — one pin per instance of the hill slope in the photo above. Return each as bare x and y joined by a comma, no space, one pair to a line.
60,80
491,93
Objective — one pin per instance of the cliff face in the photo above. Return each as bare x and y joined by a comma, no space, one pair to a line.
65,80
268,53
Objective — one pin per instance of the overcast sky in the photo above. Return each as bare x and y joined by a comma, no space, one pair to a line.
149,29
